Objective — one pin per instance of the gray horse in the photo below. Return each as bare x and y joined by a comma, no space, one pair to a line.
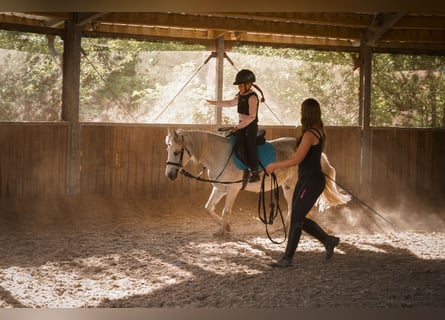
213,151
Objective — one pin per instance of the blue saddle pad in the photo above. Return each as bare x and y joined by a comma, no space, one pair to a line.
266,155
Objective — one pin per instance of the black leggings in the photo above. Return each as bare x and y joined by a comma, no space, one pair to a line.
306,193
247,139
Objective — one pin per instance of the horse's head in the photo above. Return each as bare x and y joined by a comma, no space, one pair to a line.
175,151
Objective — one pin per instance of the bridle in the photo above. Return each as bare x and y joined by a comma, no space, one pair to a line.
181,156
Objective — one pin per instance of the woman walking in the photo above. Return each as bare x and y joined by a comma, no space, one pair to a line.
310,184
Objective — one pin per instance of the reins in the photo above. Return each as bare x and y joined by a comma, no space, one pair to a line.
268,217
198,177
190,175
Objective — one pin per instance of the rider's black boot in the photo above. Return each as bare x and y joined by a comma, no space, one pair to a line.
254,176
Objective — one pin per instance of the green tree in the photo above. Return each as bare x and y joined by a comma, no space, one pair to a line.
408,91
298,74
31,77
118,82
124,80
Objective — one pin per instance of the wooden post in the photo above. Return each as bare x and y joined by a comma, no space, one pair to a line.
365,118
70,101
219,76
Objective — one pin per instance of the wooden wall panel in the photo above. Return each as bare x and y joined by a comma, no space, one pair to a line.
408,165
128,161
32,159
343,152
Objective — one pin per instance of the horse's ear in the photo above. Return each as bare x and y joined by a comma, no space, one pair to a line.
175,133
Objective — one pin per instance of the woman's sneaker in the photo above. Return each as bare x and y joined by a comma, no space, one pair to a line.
331,243
282,263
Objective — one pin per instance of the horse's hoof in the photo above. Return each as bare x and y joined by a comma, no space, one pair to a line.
222,233
219,234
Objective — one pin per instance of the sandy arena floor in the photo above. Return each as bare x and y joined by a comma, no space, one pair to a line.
95,252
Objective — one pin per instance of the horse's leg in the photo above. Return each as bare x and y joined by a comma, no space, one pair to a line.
232,192
215,196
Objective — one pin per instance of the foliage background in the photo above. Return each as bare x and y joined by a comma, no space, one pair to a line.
157,82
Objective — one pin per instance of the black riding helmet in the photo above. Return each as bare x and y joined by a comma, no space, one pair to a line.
247,76
244,76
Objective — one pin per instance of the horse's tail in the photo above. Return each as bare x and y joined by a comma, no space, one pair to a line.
331,196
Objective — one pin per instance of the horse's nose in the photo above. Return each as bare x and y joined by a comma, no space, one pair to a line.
172,174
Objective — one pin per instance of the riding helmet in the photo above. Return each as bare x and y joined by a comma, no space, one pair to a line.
244,76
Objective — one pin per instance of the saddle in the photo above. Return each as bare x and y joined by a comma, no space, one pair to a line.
265,150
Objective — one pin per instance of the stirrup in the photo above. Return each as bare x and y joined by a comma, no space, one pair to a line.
254,176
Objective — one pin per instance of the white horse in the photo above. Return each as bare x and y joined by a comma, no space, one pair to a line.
213,151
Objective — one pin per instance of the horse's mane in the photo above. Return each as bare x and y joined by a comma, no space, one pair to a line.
198,141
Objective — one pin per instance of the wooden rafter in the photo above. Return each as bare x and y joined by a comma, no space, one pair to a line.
84,18
390,32
380,25
229,23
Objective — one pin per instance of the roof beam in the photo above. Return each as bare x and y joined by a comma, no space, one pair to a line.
420,36
391,32
421,22
235,24
381,24
356,20
178,34
84,18
30,28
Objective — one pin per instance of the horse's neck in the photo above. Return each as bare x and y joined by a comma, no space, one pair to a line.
206,147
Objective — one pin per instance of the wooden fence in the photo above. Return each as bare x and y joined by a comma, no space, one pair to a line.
408,164
32,159
128,161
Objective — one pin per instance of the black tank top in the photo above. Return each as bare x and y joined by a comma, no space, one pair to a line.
312,162
243,104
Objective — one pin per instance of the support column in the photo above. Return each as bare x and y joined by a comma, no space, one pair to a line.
70,101
219,76
365,118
